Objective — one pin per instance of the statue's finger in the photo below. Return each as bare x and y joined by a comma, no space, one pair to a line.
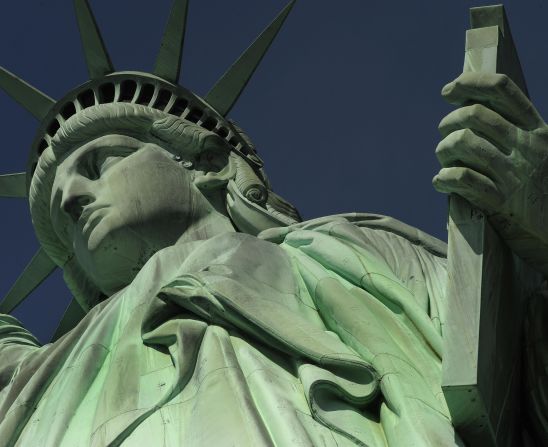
466,149
484,121
497,92
477,188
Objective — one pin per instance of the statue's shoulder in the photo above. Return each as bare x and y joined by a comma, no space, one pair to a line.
373,226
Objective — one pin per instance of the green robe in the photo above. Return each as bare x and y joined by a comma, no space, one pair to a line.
325,333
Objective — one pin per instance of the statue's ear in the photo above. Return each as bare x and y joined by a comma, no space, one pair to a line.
214,168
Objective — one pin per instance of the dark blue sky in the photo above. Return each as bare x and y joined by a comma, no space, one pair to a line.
343,109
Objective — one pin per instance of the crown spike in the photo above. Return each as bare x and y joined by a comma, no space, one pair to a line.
37,270
168,62
72,316
228,89
13,185
97,58
29,97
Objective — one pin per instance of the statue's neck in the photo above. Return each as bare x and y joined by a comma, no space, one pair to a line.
209,226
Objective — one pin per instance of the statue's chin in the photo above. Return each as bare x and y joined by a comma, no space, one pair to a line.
111,257
113,244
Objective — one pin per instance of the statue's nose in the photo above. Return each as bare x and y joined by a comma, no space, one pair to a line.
76,195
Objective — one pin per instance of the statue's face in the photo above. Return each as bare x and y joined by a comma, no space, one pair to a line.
116,201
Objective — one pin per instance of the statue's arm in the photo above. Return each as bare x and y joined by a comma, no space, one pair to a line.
16,343
494,153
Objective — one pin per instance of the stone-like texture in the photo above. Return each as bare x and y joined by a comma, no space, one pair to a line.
213,316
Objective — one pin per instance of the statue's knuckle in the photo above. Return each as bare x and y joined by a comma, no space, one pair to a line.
463,136
451,143
464,175
501,81
442,176
476,113
476,110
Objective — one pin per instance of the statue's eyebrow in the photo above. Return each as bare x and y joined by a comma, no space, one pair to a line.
80,155
92,158
110,149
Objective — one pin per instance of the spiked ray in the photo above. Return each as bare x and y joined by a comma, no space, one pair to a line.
38,269
97,58
30,98
72,316
13,185
227,90
168,62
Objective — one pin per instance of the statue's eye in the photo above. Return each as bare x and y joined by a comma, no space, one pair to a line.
90,168
98,161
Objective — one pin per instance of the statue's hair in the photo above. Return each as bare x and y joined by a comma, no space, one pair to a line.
146,124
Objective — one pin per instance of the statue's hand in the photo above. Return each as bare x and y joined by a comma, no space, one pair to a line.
494,154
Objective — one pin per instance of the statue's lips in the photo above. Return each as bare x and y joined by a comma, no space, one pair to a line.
90,218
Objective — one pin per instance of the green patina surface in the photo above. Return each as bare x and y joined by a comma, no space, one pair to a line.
206,313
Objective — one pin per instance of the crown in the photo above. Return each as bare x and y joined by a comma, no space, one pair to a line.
157,90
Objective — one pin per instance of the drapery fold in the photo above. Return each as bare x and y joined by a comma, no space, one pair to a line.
321,333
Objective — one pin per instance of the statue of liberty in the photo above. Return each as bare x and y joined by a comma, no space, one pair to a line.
205,312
